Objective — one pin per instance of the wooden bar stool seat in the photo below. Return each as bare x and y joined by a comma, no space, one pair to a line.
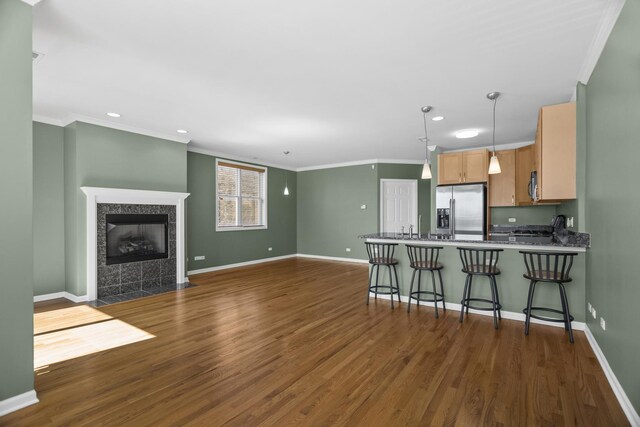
382,255
425,258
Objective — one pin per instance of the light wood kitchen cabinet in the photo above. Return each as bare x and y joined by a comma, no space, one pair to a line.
555,152
463,167
502,186
450,168
525,164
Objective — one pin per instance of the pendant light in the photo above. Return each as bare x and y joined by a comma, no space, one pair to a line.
426,169
286,179
494,164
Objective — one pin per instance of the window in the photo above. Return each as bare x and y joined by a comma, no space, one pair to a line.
241,202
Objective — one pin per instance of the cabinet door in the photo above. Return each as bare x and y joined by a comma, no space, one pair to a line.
558,152
450,168
525,164
475,166
502,186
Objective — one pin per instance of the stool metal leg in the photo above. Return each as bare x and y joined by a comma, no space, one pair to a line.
495,286
527,319
419,288
493,302
375,296
390,286
469,293
444,305
564,309
567,314
435,300
413,276
369,287
464,298
395,273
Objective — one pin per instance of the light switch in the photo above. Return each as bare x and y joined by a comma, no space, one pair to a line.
363,207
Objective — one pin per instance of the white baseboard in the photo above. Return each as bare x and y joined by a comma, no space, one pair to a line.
625,403
57,295
239,264
333,258
576,326
18,402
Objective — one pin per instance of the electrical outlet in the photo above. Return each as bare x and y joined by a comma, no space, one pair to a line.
512,219
198,258
348,249
589,307
593,313
270,249
570,222
603,324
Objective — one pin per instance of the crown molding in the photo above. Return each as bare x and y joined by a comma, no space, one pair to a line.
605,26
47,120
499,147
127,128
361,162
228,156
31,2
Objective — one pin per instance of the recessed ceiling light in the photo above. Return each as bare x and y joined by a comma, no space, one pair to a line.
467,133
182,131
116,115
437,118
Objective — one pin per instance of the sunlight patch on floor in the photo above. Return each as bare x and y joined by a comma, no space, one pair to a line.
80,341
64,318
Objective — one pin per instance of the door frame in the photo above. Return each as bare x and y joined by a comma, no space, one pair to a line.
414,192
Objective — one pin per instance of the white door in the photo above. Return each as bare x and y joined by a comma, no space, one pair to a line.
399,205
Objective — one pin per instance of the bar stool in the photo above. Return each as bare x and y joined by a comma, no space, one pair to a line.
381,254
550,267
425,258
480,262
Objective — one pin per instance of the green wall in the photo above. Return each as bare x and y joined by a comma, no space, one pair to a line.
230,247
329,200
96,156
16,180
48,209
612,153
329,214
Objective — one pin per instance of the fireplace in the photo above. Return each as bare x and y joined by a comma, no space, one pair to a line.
136,237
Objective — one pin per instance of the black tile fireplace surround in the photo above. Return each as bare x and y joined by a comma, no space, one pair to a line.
138,275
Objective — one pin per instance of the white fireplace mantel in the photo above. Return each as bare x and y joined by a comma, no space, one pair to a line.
97,195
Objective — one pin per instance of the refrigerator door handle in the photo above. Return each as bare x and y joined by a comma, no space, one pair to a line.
452,221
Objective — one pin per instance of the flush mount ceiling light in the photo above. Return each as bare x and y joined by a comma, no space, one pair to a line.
437,118
182,131
494,164
426,169
115,115
467,133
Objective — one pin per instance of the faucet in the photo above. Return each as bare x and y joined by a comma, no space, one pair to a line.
419,223
410,231
402,231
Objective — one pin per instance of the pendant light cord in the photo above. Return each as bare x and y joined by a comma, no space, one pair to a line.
495,101
426,137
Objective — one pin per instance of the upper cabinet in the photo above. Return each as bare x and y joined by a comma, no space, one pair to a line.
502,186
463,167
555,153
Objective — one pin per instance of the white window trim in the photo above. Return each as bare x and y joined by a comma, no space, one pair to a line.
265,198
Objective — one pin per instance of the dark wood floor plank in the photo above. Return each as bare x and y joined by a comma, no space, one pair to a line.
292,343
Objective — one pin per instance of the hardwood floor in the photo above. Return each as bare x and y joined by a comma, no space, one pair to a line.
292,343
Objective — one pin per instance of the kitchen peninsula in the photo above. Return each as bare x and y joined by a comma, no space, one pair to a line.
512,286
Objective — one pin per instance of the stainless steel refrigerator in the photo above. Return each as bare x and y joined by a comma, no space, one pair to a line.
461,211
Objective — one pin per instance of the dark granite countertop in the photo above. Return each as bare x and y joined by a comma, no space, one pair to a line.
575,240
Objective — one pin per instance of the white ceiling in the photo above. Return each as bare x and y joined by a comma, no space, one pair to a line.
331,81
